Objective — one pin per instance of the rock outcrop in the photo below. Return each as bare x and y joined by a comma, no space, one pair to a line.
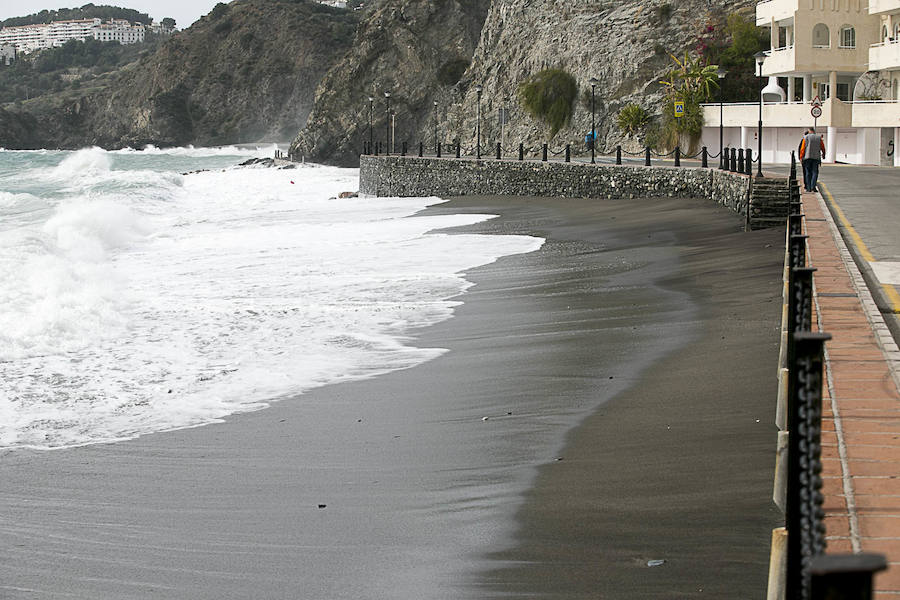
408,48
246,72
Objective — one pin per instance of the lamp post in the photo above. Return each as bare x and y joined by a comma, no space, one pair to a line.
371,114
760,58
594,82
387,125
720,73
478,90
435,126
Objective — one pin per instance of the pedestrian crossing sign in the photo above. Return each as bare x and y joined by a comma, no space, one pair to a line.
679,109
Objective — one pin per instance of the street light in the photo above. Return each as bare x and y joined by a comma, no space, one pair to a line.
720,73
594,82
478,90
387,125
760,58
371,132
435,126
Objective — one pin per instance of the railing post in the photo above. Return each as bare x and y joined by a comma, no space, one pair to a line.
544,153
704,158
521,151
805,518
568,153
647,156
749,160
403,149
499,149
795,224
421,149
797,250
846,576
740,167
457,149
677,156
793,175
618,155
439,150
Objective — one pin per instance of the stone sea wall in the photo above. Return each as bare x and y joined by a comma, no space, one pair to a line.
445,177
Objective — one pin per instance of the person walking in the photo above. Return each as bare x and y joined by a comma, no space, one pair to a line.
812,148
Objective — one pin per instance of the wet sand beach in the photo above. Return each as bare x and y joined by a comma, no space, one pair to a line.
597,408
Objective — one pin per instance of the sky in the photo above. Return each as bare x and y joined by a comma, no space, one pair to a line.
184,12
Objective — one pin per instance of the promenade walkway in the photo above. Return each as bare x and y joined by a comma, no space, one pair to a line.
861,424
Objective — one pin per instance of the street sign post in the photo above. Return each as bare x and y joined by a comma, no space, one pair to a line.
816,110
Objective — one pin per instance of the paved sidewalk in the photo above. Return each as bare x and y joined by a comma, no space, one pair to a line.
861,423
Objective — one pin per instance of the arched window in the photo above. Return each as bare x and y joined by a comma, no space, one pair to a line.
884,33
896,31
821,37
848,37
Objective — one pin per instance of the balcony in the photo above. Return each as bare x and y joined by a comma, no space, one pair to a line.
779,114
885,55
775,9
779,60
876,113
883,6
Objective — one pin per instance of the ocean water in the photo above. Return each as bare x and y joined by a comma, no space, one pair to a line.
136,299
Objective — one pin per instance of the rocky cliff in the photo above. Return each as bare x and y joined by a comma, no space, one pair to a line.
624,44
412,49
246,72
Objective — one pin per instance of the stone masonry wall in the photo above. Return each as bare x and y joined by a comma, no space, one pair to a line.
445,177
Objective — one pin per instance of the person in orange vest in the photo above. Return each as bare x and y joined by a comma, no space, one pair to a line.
812,149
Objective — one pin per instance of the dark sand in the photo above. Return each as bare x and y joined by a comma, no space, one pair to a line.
639,345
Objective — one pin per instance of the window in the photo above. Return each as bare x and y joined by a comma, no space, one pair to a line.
896,31
821,36
848,37
884,33
843,92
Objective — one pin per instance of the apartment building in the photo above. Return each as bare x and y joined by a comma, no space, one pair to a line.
846,54
28,38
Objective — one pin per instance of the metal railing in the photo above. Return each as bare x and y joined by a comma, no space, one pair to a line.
730,159
809,574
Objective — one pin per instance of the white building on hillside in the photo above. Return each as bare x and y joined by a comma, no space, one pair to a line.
7,54
28,38
822,49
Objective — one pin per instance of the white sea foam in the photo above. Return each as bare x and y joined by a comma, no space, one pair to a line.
134,299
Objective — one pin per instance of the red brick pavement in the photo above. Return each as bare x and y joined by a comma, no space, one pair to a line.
861,423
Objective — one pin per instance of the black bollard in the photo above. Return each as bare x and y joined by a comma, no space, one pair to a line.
457,149
647,156
439,150
618,155
704,157
749,162
403,149
499,150
521,151
421,149
733,160
377,148
677,156
741,168
723,158
544,153
568,153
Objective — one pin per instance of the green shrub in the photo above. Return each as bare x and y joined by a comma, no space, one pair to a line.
549,96
632,119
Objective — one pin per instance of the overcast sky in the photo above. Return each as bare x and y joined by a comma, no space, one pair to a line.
184,12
